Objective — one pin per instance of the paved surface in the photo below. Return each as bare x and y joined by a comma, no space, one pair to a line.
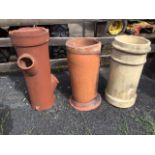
17,117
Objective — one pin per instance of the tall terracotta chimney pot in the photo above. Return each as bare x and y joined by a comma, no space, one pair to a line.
84,62
31,46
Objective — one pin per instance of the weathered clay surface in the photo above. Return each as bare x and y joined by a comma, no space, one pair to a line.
127,60
33,59
84,62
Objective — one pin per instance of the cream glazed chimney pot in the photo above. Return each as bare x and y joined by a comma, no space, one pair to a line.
127,61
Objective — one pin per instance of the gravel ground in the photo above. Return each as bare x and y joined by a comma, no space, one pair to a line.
17,117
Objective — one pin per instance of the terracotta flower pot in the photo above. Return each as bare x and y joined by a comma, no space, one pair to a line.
84,62
127,60
33,59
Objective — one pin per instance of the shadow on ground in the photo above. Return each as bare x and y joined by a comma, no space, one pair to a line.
64,84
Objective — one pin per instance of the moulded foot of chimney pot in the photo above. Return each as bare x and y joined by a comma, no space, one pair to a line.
120,103
95,103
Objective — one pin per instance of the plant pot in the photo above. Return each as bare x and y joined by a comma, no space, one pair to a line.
31,46
84,62
127,61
